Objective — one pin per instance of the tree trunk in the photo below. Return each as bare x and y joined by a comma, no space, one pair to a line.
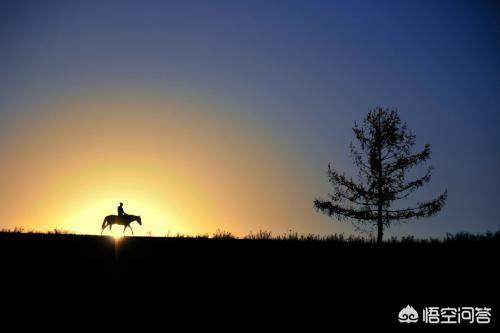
380,226
380,199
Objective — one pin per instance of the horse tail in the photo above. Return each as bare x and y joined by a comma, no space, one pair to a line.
104,222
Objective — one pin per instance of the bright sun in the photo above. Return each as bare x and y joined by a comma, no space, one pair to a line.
117,235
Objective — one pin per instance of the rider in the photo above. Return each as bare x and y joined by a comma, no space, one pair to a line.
120,210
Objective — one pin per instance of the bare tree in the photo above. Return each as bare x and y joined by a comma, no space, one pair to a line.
383,158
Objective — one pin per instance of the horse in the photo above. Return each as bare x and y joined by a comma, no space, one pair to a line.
124,220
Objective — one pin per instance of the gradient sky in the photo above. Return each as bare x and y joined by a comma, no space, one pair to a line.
224,114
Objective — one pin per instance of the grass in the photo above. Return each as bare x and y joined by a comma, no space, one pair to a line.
293,236
21,230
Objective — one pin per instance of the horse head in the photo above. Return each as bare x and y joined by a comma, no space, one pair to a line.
139,220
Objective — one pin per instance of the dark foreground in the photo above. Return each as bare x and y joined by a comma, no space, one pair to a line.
288,283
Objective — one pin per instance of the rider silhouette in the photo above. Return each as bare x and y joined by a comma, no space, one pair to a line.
120,210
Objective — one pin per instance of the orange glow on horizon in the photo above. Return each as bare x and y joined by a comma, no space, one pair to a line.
183,167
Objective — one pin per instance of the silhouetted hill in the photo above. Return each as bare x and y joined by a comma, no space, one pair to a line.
312,280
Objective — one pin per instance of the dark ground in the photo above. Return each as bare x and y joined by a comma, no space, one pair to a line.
218,281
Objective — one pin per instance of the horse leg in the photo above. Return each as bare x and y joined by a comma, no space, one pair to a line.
131,229
105,225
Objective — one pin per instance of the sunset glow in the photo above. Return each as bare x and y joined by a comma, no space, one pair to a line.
183,167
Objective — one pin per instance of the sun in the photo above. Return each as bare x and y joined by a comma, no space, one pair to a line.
118,238
116,232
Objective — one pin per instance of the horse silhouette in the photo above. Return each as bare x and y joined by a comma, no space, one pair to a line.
124,220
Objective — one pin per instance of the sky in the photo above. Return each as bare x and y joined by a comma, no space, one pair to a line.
206,115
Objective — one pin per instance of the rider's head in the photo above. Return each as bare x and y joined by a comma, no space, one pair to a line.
121,203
